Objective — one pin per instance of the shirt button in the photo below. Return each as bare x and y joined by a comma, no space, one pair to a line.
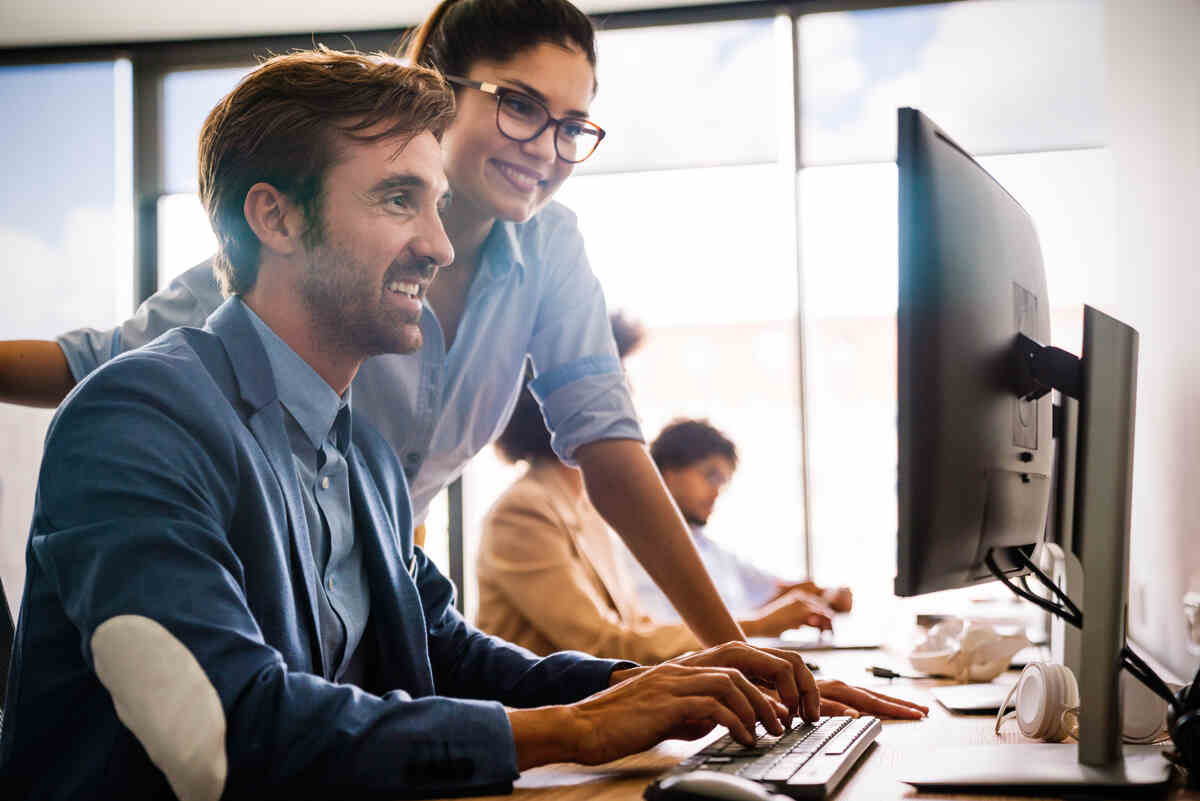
412,458
325,482
331,583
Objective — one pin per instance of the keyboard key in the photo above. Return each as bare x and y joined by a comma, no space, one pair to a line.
782,771
846,737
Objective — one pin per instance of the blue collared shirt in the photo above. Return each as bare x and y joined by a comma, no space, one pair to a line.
742,586
318,428
533,297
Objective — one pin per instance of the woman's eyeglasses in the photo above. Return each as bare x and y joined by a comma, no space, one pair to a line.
522,118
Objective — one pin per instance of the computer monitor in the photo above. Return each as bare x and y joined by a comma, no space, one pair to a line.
975,375
974,458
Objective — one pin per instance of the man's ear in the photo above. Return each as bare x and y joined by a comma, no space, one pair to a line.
274,219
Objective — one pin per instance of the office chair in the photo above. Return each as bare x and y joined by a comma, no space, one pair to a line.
7,633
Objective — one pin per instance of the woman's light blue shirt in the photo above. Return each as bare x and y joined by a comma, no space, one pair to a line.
534,296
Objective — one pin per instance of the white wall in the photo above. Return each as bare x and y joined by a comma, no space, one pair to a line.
26,23
1154,64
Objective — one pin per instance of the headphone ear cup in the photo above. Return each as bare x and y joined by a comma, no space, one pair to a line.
1047,702
1067,715
1068,699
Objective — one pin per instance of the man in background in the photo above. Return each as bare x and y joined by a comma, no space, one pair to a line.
697,462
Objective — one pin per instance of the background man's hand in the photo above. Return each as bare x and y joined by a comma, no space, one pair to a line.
839,599
791,610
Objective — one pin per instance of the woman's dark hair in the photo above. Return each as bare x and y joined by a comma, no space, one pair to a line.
684,442
459,33
628,332
525,438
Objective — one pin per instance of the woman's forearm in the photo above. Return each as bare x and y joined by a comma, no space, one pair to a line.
33,372
625,487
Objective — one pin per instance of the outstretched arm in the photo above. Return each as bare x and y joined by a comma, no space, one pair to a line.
33,372
625,487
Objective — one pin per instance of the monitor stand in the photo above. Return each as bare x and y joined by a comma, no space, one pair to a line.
1035,768
1104,470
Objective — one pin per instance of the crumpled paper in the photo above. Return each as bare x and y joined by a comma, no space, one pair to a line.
966,651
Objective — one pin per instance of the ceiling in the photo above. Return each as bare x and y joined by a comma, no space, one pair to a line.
75,22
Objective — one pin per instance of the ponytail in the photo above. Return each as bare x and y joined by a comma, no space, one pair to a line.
459,33
413,48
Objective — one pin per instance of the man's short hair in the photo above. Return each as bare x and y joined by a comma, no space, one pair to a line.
284,123
684,442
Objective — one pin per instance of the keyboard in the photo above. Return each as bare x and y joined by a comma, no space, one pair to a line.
807,762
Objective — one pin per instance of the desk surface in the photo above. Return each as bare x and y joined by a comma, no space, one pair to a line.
873,778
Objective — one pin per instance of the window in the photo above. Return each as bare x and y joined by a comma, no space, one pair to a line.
66,236
1018,84
185,237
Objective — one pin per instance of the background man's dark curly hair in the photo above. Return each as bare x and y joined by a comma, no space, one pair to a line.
684,442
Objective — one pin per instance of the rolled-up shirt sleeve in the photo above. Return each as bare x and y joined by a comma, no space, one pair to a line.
187,300
580,383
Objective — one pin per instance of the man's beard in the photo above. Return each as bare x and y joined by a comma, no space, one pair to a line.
348,310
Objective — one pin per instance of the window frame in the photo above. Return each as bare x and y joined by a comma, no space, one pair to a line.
152,61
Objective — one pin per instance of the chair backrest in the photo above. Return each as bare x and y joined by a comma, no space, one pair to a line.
7,633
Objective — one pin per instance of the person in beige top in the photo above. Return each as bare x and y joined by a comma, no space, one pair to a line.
551,576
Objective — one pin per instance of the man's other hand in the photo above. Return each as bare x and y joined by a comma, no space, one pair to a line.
671,701
839,698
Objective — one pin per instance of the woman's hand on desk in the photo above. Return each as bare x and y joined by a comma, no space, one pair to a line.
839,698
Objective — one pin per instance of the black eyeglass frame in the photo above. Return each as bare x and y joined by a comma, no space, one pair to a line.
499,93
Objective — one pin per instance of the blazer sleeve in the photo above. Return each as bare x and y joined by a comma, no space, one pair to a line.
136,497
528,554
468,663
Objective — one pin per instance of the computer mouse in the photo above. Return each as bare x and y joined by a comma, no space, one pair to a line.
703,785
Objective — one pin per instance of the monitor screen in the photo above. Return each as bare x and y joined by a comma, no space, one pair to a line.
974,457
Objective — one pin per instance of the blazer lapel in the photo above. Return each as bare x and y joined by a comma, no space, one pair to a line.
256,385
395,600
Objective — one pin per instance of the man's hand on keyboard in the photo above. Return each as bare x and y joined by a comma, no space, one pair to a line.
784,672
839,698
668,701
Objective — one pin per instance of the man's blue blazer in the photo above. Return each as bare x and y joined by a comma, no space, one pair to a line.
168,491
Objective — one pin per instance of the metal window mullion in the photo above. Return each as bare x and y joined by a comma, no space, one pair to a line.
148,180
792,157
454,531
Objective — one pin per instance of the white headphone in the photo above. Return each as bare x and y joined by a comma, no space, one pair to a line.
1047,706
